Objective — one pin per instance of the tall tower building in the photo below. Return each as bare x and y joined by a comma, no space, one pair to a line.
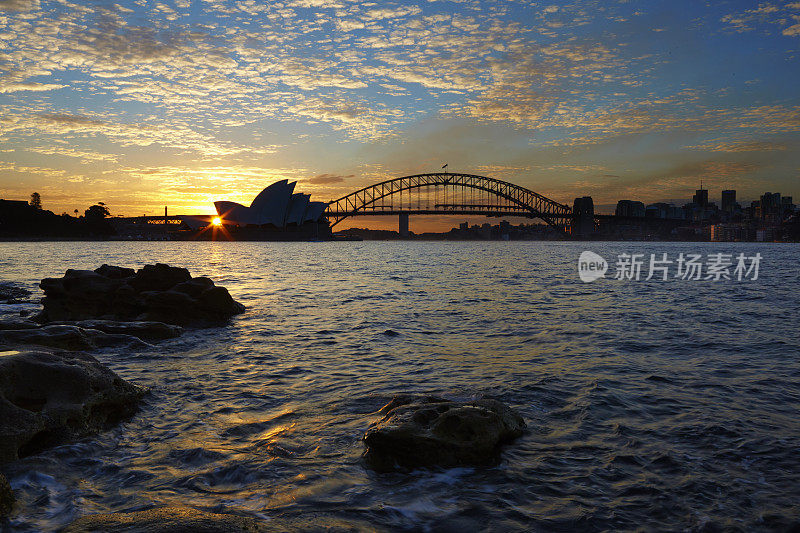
701,197
728,201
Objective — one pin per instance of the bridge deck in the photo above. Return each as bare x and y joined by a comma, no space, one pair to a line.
453,211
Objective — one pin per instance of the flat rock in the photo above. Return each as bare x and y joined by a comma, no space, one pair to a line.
145,330
49,398
18,323
185,520
67,337
429,431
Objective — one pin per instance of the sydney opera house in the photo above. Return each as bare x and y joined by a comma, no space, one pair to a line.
277,213
276,206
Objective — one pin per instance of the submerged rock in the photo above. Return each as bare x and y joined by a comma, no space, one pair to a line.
11,294
157,292
434,432
51,398
6,497
145,330
166,520
67,337
186,519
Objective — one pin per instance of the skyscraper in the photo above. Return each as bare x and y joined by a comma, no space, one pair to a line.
728,201
770,207
701,197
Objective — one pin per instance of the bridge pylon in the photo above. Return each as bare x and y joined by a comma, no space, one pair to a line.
403,229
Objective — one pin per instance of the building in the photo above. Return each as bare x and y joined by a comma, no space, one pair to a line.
664,211
700,197
731,232
768,208
630,208
277,206
787,207
728,201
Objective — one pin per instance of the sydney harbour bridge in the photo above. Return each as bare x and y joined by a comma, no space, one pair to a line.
439,193
444,193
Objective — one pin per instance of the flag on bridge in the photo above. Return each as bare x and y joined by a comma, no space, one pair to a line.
444,166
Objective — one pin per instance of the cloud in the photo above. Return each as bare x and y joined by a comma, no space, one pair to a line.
792,31
765,14
325,179
71,120
733,147
18,5
16,79
120,91
28,86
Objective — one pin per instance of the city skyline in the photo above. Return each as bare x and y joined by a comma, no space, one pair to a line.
145,104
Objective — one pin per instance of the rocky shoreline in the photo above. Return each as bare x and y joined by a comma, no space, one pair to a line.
53,392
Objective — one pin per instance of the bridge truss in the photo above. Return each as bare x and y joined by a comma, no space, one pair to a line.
449,194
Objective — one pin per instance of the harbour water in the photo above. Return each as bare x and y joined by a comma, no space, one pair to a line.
668,405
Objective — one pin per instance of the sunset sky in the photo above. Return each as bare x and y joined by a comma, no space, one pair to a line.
182,102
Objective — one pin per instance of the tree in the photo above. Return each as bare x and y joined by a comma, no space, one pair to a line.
76,213
97,212
36,201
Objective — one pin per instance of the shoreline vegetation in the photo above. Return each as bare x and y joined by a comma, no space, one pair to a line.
53,391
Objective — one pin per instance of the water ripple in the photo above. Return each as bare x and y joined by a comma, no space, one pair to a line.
656,406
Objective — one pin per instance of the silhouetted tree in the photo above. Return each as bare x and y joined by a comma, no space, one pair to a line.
98,211
36,201
76,213
95,220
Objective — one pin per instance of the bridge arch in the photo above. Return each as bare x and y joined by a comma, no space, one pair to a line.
509,199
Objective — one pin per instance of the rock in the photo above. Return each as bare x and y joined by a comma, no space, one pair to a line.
218,301
67,337
79,295
88,283
195,286
49,398
145,330
115,272
12,294
6,497
185,519
213,305
171,306
166,520
159,277
434,432
18,323
155,293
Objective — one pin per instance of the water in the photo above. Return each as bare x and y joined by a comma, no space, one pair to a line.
656,405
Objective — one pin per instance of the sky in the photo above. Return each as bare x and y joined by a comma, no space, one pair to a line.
147,103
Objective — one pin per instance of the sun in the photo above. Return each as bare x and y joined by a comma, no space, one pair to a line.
216,221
